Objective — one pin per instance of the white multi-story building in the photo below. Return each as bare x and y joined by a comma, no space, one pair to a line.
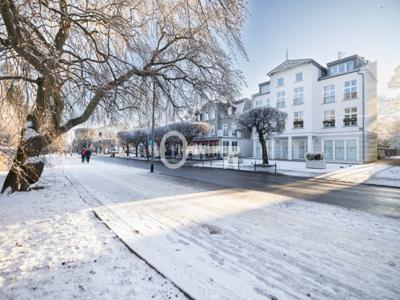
330,110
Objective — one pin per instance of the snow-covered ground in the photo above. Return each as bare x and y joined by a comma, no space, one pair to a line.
212,242
53,247
386,172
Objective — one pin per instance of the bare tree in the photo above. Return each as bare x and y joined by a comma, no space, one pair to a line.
266,121
73,59
189,130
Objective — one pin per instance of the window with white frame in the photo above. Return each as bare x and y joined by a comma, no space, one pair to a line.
298,96
264,88
329,93
234,129
280,99
279,82
212,130
206,116
225,148
350,116
212,114
225,129
235,147
258,103
299,76
341,68
350,89
298,121
329,118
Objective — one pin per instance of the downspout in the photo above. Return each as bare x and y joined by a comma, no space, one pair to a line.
363,116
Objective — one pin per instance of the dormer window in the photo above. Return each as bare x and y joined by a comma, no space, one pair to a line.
264,89
279,82
344,67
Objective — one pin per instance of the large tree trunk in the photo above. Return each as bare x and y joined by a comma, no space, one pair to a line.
263,148
27,167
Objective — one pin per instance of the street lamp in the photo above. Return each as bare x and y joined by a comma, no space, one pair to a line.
152,127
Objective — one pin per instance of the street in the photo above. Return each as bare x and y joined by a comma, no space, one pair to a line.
219,234
372,199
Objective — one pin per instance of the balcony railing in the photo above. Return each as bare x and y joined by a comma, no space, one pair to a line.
329,123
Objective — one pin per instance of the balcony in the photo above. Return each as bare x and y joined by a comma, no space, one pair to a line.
350,121
329,123
298,124
350,96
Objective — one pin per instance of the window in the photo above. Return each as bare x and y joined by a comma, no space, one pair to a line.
350,116
234,147
299,76
351,150
225,148
234,130
258,103
225,129
264,88
329,118
212,114
350,89
280,99
341,68
279,82
339,149
206,116
328,149
212,130
298,121
329,93
229,111
298,96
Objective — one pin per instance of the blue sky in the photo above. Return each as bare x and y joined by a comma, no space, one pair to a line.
318,29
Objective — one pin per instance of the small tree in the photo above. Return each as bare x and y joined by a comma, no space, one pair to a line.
266,120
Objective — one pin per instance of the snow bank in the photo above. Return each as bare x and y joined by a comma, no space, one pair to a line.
34,160
29,133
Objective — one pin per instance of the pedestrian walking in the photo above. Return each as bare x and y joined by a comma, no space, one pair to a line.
83,154
88,154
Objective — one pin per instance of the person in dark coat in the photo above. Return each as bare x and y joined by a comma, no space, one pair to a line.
88,154
83,154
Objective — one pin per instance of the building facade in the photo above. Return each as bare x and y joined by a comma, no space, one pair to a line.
330,109
224,138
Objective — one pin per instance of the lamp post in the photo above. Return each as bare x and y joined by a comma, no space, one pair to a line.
152,127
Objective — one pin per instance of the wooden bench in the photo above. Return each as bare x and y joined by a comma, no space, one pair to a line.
264,166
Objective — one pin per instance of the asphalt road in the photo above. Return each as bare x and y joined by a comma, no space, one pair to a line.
383,201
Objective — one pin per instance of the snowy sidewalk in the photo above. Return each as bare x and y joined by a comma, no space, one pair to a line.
53,247
384,172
